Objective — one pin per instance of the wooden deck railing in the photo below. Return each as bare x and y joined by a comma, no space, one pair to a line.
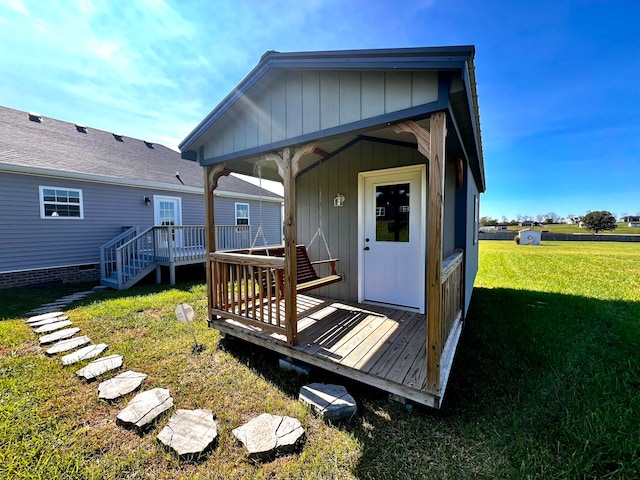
179,244
248,288
452,288
233,237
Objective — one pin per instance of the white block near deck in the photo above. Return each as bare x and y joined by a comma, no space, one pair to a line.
332,402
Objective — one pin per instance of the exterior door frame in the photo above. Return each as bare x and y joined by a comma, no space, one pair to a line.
362,176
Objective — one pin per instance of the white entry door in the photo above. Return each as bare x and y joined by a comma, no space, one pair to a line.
392,237
167,212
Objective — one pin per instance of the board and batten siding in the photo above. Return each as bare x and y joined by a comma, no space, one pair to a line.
304,102
30,242
271,217
340,224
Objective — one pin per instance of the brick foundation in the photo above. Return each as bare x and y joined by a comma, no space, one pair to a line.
76,274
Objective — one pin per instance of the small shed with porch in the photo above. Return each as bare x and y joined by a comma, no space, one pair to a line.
380,155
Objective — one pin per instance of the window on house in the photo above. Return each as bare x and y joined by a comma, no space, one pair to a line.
242,214
60,202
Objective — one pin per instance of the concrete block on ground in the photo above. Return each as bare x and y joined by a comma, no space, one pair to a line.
332,402
68,344
42,316
100,366
266,436
85,353
48,321
52,327
120,385
59,335
144,408
189,432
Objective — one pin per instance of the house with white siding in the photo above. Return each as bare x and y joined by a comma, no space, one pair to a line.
67,189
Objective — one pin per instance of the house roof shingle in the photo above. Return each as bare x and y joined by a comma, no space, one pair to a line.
50,144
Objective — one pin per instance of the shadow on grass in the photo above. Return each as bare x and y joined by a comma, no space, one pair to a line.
543,386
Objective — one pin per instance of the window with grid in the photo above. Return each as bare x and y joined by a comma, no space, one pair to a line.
58,202
242,214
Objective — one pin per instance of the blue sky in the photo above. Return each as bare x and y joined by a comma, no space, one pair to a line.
558,80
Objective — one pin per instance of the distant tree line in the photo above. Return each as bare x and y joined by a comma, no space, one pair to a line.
596,221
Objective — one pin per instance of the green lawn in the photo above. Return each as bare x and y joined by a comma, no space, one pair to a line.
546,384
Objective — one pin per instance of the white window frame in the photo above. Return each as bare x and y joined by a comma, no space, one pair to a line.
42,188
248,217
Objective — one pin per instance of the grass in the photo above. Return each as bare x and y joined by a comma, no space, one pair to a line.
545,385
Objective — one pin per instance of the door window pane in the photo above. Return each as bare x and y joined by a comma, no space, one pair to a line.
392,213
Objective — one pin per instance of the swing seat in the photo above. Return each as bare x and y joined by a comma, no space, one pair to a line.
306,276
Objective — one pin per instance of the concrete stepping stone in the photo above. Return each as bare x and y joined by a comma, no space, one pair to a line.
144,408
66,345
52,327
189,432
42,310
57,303
59,335
85,353
48,321
43,316
120,385
100,366
331,402
268,435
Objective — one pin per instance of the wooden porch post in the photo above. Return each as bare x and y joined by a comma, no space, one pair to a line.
438,133
288,169
432,145
211,175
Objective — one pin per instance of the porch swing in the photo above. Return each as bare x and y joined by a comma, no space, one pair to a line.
306,276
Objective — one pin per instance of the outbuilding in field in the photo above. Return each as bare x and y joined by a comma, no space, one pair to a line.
529,236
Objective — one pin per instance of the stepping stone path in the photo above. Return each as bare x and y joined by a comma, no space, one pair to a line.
144,408
48,321
120,385
268,435
85,353
52,327
59,335
331,402
69,344
100,366
189,432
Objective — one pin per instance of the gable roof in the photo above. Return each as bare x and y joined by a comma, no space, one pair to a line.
255,116
31,143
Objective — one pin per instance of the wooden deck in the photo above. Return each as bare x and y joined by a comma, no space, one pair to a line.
381,347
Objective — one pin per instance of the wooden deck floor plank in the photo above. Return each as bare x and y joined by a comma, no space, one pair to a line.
370,346
401,366
417,373
395,351
326,332
366,334
392,347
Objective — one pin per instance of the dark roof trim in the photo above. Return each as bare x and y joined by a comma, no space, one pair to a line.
472,95
400,58
415,113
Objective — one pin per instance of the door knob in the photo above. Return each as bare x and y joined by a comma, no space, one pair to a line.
366,248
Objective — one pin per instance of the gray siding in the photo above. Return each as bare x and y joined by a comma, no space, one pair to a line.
271,217
340,225
28,242
297,103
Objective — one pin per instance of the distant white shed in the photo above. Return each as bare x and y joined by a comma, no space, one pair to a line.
529,236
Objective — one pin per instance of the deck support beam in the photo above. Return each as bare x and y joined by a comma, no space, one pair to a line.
435,342
431,144
211,175
288,163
